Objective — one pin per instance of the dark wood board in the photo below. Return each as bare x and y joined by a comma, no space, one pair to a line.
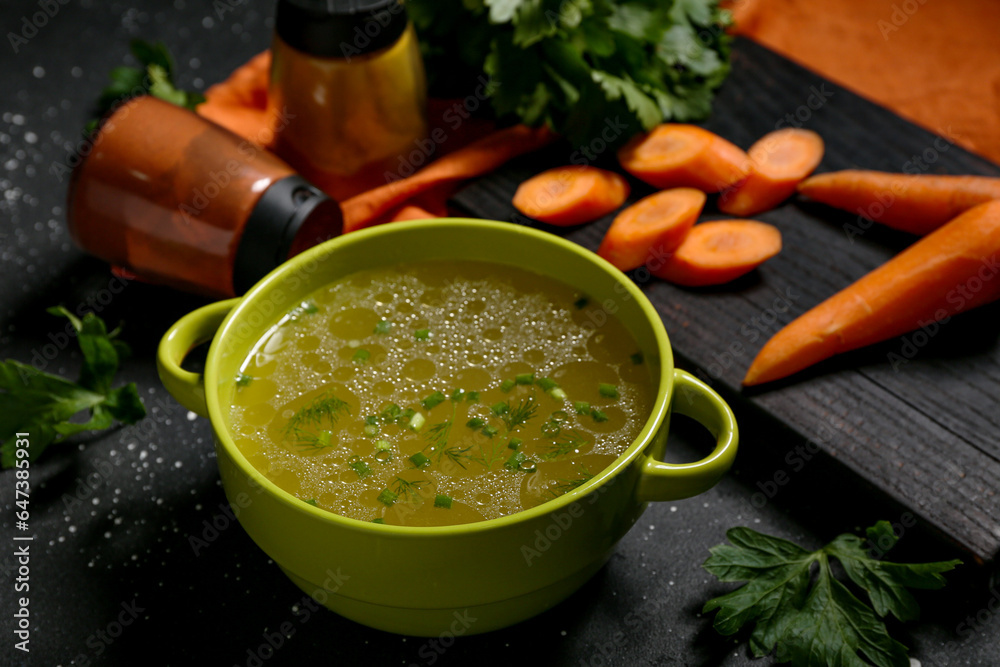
917,417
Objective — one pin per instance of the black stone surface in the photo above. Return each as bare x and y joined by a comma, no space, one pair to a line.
114,579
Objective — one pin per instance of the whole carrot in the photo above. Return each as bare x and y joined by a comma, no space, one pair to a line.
478,158
915,203
948,271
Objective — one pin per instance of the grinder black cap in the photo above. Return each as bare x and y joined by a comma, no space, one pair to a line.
339,28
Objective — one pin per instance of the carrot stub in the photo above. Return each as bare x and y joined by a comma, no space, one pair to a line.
678,155
949,271
717,252
571,195
653,226
779,161
915,203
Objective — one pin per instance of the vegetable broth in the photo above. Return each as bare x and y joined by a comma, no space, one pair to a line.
438,393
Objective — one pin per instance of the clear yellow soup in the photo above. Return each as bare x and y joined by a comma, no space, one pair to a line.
437,393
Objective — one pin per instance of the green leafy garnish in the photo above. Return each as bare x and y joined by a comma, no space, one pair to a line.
797,605
566,485
507,385
419,460
304,426
42,404
598,415
383,327
524,378
472,396
243,380
311,501
608,390
581,407
565,442
360,467
387,497
579,66
475,423
154,76
407,489
518,415
443,501
435,399
361,356
422,334
378,520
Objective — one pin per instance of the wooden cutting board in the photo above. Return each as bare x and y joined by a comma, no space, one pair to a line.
918,416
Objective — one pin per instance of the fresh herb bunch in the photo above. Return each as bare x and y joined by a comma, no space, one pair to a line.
154,76
581,66
41,404
797,605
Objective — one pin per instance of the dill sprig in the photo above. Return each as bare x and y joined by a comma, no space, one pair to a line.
406,488
304,426
437,435
566,485
457,455
519,415
567,441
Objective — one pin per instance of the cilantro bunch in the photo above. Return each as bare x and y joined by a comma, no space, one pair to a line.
42,404
578,65
798,606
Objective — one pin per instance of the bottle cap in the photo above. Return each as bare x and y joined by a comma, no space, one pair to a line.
275,222
340,28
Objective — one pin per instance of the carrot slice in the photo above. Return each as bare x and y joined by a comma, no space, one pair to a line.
717,252
915,203
653,226
951,270
780,160
571,195
480,157
678,155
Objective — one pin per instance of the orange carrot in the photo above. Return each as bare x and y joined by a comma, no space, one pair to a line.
571,195
478,158
951,270
780,160
677,155
655,224
915,203
717,252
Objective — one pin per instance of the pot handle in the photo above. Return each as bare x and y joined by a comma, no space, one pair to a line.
673,481
193,329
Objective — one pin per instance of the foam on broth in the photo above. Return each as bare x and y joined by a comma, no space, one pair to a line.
440,392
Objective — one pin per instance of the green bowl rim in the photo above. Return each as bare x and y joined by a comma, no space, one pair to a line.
645,437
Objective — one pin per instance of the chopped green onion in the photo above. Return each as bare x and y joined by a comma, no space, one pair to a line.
417,421
598,415
323,438
383,327
489,431
637,358
515,443
514,462
361,356
507,385
472,396
383,446
474,423
524,378
456,395
608,390
422,334
546,383
361,468
378,520
581,302
419,460
309,307
371,420
581,407
434,399
371,430
441,500
406,416
387,497
500,408
243,379
311,501
390,413
558,394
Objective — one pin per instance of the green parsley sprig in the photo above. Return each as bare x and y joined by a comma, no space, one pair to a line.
580,66
42,404
797,605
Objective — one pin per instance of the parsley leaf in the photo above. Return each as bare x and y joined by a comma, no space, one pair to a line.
42,404
797,606
579,66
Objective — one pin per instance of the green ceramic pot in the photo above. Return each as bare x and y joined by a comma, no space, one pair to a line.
461,579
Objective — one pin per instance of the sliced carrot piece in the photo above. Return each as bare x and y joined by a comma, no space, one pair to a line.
949,271
915,203
653,226
780,160
678,155
717,252
571,195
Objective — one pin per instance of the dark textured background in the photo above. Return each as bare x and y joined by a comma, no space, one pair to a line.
112,519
